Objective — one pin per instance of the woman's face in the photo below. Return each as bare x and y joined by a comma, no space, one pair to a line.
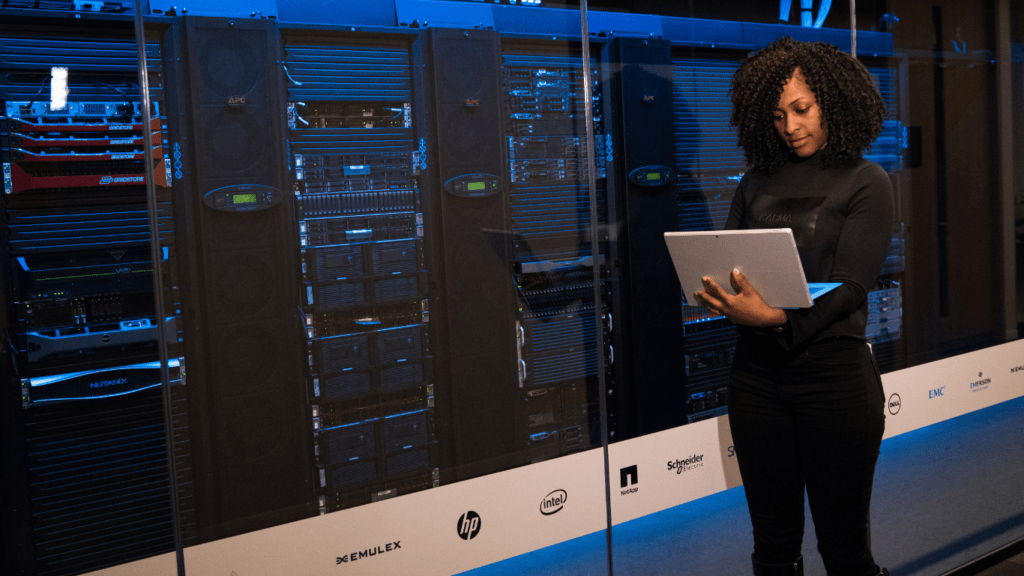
797,117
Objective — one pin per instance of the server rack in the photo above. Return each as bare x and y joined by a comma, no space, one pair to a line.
81,326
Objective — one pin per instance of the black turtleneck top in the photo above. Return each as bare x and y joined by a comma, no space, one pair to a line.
842,221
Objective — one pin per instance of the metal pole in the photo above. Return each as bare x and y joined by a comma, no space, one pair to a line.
1004,133
155,253
853,28
602,386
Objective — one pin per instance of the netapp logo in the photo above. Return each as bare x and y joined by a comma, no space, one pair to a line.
628,476
352,557
894,404
680,466
105,383
469,525
936,392
980,384
121,179
553,502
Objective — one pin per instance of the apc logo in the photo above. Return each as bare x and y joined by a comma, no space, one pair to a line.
628,476
553,502
936,393
894,404
469,525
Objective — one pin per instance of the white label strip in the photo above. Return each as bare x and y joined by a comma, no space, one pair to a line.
451,529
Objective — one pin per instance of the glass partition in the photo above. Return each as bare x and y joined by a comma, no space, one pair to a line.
384,287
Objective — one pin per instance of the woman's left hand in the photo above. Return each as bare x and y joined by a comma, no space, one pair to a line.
746,307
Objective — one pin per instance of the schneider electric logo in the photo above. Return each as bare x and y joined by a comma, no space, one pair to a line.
368,553
980,384
691,463
553,502
628,477
469,525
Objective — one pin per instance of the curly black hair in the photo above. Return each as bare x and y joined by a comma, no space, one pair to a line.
852,110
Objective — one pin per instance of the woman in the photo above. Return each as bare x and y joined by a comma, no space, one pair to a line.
805,397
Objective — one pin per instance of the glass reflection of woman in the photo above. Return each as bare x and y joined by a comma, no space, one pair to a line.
805,397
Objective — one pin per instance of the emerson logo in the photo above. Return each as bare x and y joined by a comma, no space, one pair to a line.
628,476
980,384
469,525
894,404
553,502
369,553
680,466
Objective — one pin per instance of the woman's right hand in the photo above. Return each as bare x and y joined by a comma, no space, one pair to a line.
747,307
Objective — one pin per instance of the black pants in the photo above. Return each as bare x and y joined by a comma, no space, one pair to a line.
811,419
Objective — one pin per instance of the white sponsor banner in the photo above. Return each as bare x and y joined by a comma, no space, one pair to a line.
665,469
930,393
532,507
443,530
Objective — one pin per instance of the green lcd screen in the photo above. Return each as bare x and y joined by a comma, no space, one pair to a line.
653,176
244,199
474,186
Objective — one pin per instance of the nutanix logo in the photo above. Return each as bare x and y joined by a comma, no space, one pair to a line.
469,525
628,477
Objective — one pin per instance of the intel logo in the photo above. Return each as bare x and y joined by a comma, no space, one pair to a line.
106,179
553,502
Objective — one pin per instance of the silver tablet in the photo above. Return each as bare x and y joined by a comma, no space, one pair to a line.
767,257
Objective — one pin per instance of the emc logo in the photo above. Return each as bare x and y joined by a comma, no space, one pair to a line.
936,393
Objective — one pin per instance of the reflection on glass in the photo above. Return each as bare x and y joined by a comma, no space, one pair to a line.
84,438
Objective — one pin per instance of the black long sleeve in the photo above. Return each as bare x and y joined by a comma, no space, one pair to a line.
842,220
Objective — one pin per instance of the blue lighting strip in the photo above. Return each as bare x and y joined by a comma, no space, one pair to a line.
44,380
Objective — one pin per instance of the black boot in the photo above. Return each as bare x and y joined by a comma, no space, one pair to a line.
789,569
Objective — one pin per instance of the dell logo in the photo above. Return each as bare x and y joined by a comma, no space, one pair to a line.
469,525
553,502
894,404
936,393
